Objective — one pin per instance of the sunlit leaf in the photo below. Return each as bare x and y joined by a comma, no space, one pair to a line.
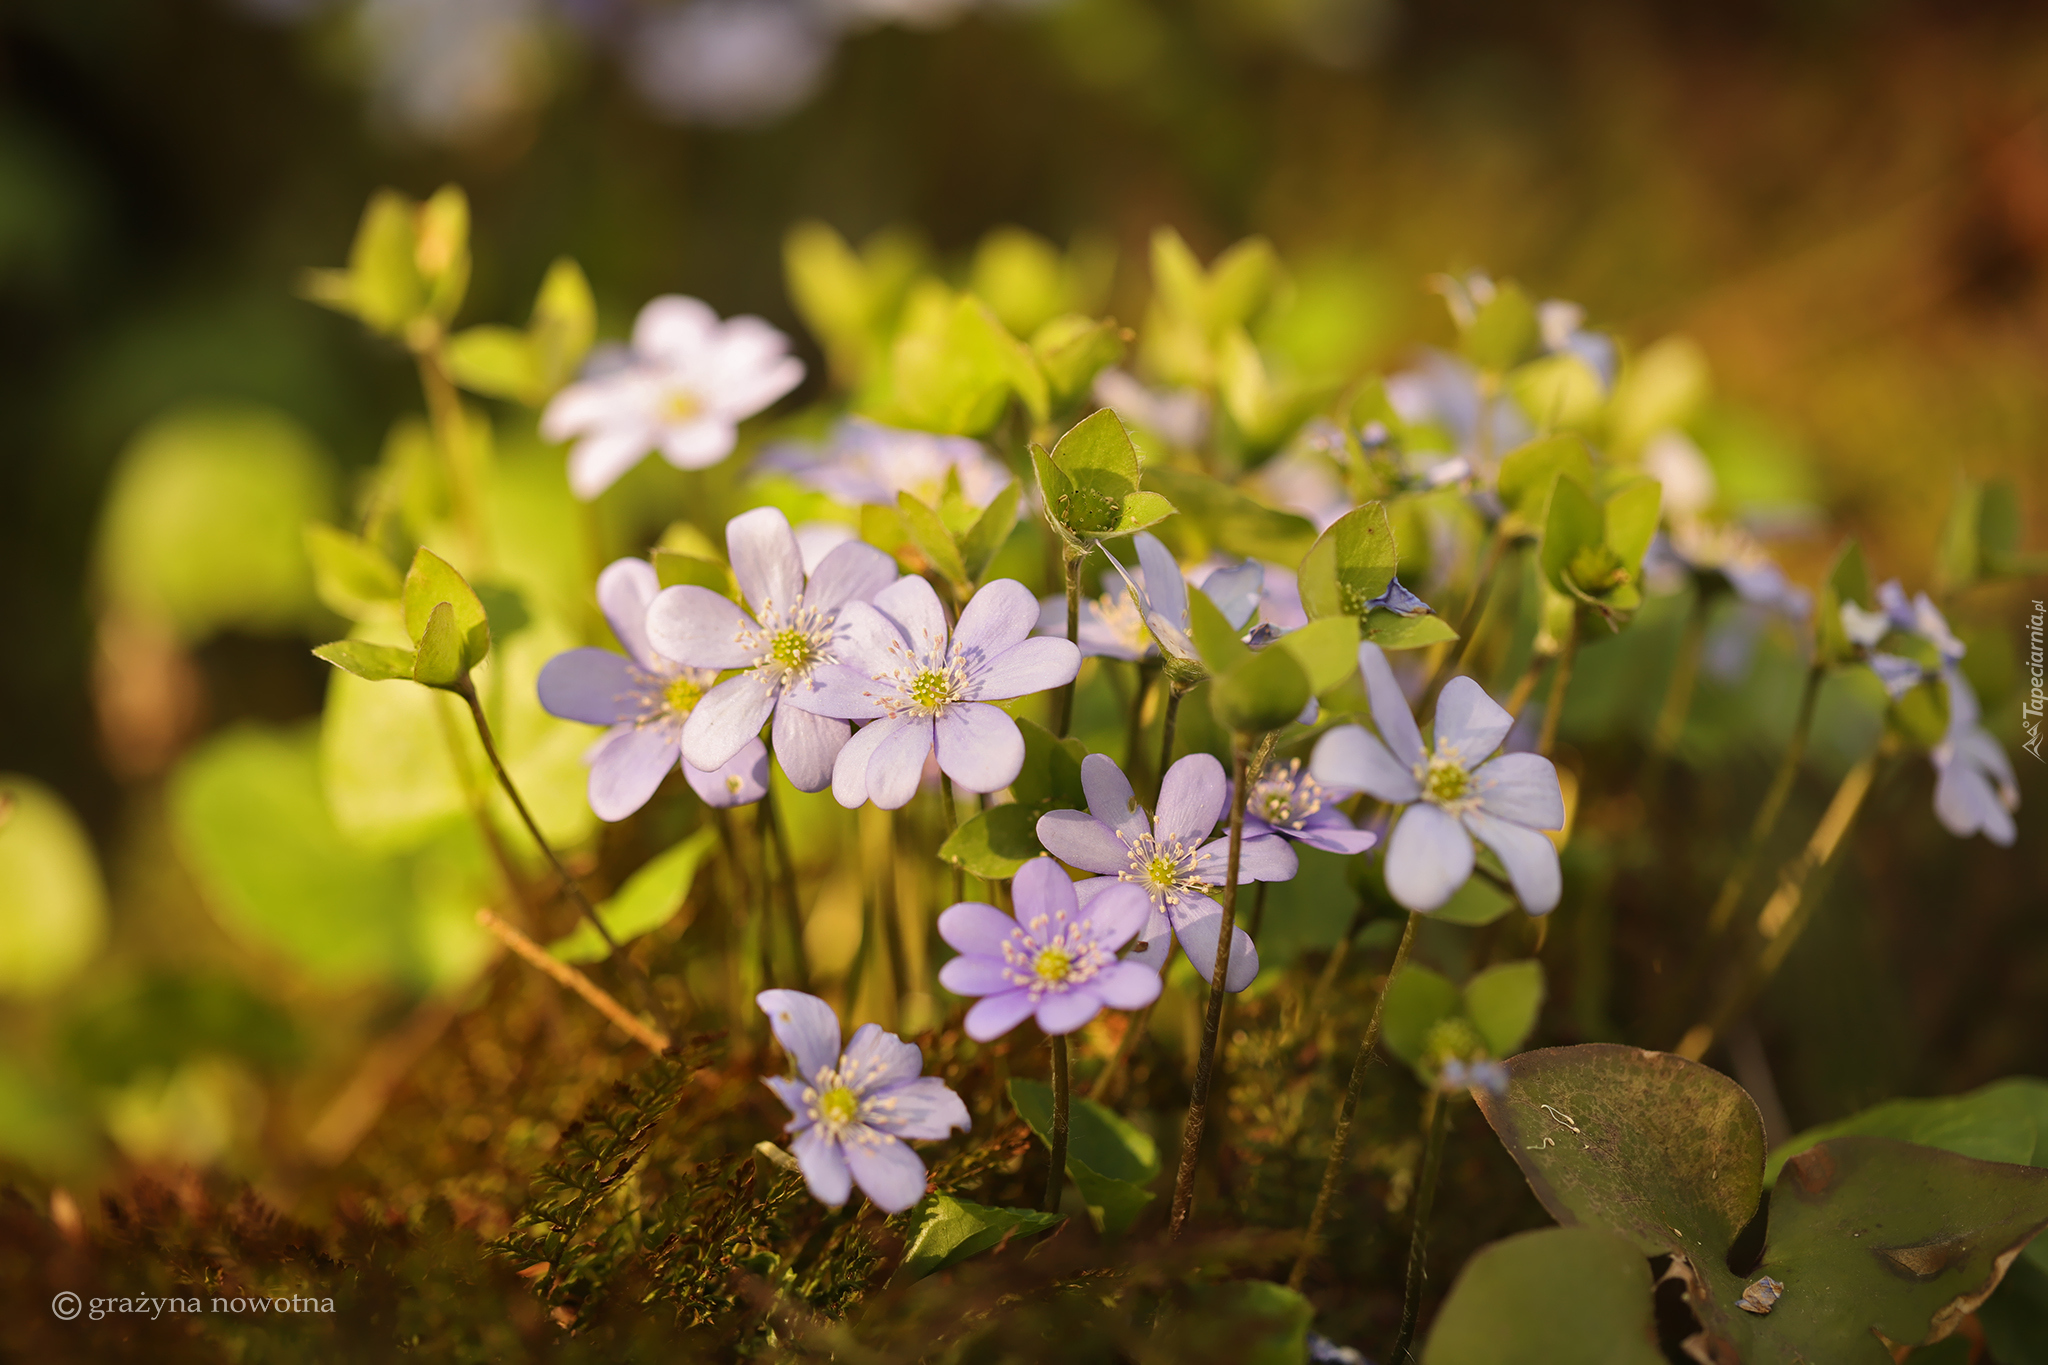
53,903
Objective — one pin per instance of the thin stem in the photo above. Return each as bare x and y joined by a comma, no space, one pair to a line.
1258,919
1055,1178
952,826
1469,619
892,920
1072,564
562,972
771,822
1134,729
1723,913
1678,689
1340,1140
1418,1241
1560,679
1133,1031
1173,695
1212,1025
741,893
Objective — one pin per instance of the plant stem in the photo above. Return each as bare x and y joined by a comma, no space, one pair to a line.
1134,731
1258,919
771,827
1725,904
892,921
1062,1081
1685,672
952,826
576,981
1418,1242
741,893
1172,720
1212,1025
1560,679
1133,1031
1468,620
1340,1140
1072,564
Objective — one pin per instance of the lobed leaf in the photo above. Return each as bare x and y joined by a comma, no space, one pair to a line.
1350,564
377,663
1558,1296
432,580
950,1230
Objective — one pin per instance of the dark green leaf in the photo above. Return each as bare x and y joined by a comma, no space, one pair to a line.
1051,776
1263,693
1477,902
2004,1121
1097,454
995,843
378,663
1632,521
932,539
949,1230
1139,511
1111,1161
1527,474
1215,640
1574,529
1228,520
1391,630
1327,651
1560,1296
1417,1001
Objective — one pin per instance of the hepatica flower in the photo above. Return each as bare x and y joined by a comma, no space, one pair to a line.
1172,859
1056,961
866,463
1919,619
789,629
689,382
645,697
1161,594
923,690
852,1111
1450,793
1110,626
1288,801
1974,788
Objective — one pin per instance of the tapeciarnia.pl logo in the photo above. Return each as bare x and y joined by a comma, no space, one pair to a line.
2037,672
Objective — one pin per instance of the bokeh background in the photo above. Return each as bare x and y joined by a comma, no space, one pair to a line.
1843,202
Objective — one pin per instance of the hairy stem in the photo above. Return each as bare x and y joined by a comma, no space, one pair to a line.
1340,1140
576,981
1418,1241
1671,716
1062,1083
1134,730
1071,563
771,826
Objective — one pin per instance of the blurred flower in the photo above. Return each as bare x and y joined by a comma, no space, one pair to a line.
1443,391
691,381
1484,1074
1161,593
451,70
1179,415
730,61
1975,791
788,630
1055,961
1561,324
1919,619
1451,796
1305,478
1287,801
853,1110
1110,626
1173,860
1679,466
645,697
865,463
924,690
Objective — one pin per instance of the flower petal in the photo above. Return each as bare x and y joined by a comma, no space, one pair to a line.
1197,922
1429,856
886,1170
1155,944
674,327
1064,1011
598,460
1267,859
819,1157
1166,592
1235,591
1118,914
1036,665
1389,708
790,1091
1522,788
1966,803
998,616
840,692
1080,840
866,640
850,769
626,767
897,764
1333,837
1191,800
996,1015
979,746
765,561
625,590
925,1108
850,572
913,608
726,717
1111,800
1351,756
1469,724
1127,985
976,928
875,1059
594,686
742,780
972,974
1042,887
1529,857
807,1029
806,745
698,627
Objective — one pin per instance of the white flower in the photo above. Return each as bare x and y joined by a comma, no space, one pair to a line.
690,381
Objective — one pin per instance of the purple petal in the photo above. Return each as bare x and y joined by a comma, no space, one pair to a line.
976,929
1350,756
625,590
627,765
1429,856
852,572
1065,1011
1345,838
594,686
850,769
913,607
979,746
790,1091
1000,615
699,443
696,626
598,460
1037,665
1118,913
1080,840
1128,985
807,1029
839,692
806,745
1389,709
825,1171
897,764
1966,803
742,781
971,975
1522,788
726,717
886,1170
1267,859
1197,923
1469,724
1191,800
867,640
924,1108
765,561
1166,592
1157,938
1235,591
996,1015
1042,887
876,1059
1111,800
1529,857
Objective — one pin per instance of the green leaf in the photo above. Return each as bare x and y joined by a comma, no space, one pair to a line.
672,569
1998,532
1503,330
384,286
377,663
438,661
954,366
2015,1319
1502,1003
1475,903
950,1230
53,904
1215,639
848,299
1391,630
1097,454
1253,1321
990,532
1350,563
433,580
932,538
1227,520
1631,516
1110,1161
651,897
441,250
494,360
2004,1121
1528,472
1659,389
1559,1296
1139,511
1418,999
1574,528
562,328
995,843
1071,350
1847,581
351,576
1327,651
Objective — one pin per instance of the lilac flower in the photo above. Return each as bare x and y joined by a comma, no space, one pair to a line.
729,62
1443,391
1451,794
1290,803
1161,593
1561,325
853,1110
1173,859
1919,618
645,697
690,381
922,692
1483,1074
865,463
789,629
1974,788
1055,961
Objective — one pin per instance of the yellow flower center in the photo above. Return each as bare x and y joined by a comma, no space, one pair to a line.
1053,964
1161,872
681,694
1446,782
839,1107
791,648
681,405
930,689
